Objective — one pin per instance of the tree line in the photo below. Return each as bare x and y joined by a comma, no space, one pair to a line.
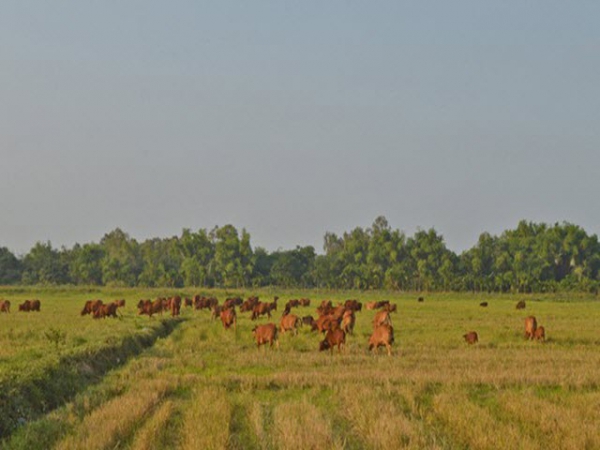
534,257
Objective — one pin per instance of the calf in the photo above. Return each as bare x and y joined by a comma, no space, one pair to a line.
348,321
530,327
383,335
265,333
539,334
290,322
333,338
471,337
5,306
229,318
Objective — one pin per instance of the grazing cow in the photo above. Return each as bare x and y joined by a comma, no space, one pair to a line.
325,307
530,327
420,299
348,321
333,338
305,302
229,318
120,303
5,306
308,320
471,337
483,304
380,318
231,302
35,305
175,305
539,334
265,333
25,306
105,310
248,304
383,335
290,322
215,312
521,304
292,304
188,302
260,309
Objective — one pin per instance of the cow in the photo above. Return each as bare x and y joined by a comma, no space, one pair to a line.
265,333
348,321
304,302
90,306
248,304
530,327
188,303
520,305
25,306
120,303
35,305
105,310
5,306
540,334
380,318
353,305
292,304
420,299
483,304
471,337
308,320
371,305
325,307
231,302
325,323
175,305
290,322
383,335
229,318
260,309
333,338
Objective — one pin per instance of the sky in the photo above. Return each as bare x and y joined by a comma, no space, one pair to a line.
291,119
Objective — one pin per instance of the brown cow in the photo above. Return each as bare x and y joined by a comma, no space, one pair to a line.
304,302
371,305
420,299
290,322
260,309
90,306
390,307
383,335
105,310
35,305
120,303
530,327
248,304
308,320
483,304
353,305
25,306
188,302
333,338
265,333
471,337
5,306
229,318
175,305
215,312
540,334
382,317
324,323
521,304
348,321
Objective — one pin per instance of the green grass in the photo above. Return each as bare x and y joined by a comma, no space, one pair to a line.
215,389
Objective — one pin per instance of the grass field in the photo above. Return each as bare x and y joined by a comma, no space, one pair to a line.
71,382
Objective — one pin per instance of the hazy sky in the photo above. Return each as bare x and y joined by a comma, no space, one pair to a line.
291,119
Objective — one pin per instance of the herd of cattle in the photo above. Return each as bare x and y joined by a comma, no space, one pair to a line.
335,322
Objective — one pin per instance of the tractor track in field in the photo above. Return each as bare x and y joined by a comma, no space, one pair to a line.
24,401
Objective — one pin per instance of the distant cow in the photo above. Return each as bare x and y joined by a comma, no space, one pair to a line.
471,337
539,334
353,305
483,304
260,309
30,305
175,306
333,338
530,327
35,305
308,320
380,318
290,322
324,323
105,310
521,304
371,305
420,299
248,304
5,306
304,302
265,333
390,307
228,318
90,306
383,335
348,321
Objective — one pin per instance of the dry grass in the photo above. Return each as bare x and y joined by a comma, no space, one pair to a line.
151,435
207,420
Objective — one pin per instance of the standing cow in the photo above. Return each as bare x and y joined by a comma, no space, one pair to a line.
530,327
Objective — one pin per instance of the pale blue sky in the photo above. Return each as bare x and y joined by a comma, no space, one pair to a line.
291,119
